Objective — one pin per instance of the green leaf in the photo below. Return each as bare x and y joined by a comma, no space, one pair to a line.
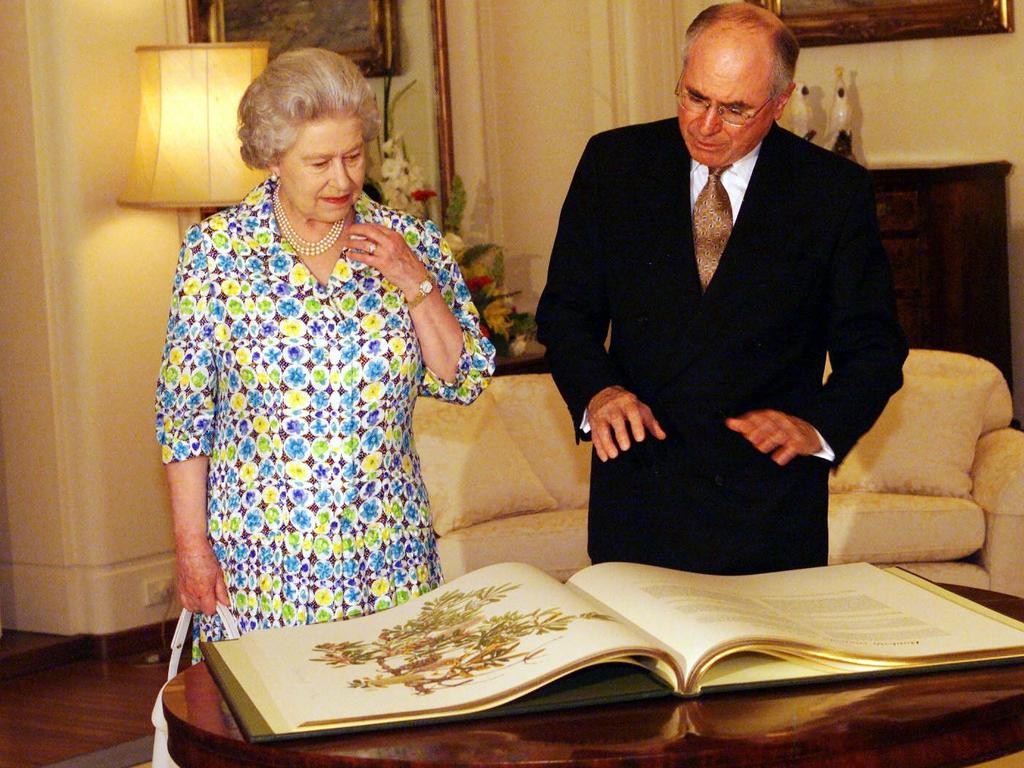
475,252
456,206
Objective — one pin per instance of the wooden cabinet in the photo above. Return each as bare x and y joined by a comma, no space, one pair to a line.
945,232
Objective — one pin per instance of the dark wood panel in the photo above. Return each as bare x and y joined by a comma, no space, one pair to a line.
531,361
945,231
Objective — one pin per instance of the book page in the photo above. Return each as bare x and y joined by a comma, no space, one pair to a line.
477,641
860,613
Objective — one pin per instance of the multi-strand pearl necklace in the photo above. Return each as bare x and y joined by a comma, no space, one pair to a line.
304,247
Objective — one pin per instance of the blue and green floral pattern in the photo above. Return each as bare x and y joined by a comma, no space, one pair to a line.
301,395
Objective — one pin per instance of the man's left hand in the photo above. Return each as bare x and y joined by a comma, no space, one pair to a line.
783,436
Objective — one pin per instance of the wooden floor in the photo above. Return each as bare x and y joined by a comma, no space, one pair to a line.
50,713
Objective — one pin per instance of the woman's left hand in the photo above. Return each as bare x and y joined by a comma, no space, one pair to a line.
385,250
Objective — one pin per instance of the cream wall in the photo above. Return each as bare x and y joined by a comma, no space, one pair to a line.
84,519
82,506
532,80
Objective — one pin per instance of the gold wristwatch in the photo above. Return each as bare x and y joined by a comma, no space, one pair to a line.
423,290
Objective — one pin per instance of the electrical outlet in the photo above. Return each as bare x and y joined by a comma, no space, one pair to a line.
159,591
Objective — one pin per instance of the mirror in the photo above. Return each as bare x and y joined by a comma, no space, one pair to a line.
445,148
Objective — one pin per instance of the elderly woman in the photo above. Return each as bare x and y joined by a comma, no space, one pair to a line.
305,321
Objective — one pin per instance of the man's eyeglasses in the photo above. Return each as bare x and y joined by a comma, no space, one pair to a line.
698,106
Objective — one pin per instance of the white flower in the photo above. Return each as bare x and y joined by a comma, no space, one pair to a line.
517,346
400,179
392,168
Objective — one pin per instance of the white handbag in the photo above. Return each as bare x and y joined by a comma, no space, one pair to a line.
161,757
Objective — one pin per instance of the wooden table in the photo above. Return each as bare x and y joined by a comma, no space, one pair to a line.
943,719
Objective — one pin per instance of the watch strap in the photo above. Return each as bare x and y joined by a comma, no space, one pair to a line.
421,293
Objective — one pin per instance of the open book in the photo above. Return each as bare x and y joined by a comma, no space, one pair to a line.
510,638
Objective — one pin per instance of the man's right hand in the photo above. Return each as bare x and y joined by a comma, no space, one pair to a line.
616,415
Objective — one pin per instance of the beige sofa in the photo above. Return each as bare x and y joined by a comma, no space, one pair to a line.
937,485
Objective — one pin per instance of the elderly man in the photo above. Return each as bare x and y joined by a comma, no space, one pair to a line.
713,433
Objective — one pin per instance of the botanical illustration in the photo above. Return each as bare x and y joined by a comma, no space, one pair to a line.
450,642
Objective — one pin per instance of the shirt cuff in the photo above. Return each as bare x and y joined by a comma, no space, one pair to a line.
826,451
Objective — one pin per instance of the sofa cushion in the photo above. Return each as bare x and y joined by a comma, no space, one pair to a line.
896,528
924,440
473,469
539,421
554,541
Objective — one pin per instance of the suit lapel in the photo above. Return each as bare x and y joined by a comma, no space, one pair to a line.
668,256
670,219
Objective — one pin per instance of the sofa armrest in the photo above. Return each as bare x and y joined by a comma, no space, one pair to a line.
999,489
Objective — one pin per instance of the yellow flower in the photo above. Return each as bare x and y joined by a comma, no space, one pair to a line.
496,315
455,244
297,470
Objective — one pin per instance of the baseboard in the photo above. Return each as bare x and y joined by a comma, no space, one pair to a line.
22,653
146,639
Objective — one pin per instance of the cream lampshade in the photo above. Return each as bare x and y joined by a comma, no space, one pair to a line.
187,149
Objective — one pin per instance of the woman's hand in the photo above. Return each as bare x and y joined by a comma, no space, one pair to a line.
385,250
439,333
200,579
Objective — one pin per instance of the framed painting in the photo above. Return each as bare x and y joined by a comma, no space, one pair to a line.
364,30
836,22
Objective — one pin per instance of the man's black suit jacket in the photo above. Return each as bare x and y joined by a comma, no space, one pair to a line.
804,273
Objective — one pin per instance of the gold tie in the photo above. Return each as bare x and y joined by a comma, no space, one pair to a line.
712,223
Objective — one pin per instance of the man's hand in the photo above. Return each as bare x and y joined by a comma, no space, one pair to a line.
615,414
783,436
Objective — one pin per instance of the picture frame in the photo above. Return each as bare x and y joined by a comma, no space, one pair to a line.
364,30
839,22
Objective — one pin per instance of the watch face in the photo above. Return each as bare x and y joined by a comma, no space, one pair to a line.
426,286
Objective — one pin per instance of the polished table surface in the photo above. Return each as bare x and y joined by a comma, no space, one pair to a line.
942,719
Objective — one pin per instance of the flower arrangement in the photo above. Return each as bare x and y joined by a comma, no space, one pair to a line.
400,184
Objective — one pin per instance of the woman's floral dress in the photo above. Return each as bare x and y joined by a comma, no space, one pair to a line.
301,395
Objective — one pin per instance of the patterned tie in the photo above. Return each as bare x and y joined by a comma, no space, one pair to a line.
712,223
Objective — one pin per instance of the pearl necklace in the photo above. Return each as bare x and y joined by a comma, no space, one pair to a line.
304,247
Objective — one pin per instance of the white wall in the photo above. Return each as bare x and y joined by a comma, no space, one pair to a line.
532,80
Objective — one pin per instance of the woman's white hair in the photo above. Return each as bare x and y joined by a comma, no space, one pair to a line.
298,87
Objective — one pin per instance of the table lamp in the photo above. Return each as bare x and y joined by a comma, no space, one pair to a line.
187,148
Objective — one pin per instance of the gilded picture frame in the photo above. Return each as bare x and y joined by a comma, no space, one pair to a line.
838,22
364,30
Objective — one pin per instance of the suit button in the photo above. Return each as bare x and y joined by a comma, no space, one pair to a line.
719,481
